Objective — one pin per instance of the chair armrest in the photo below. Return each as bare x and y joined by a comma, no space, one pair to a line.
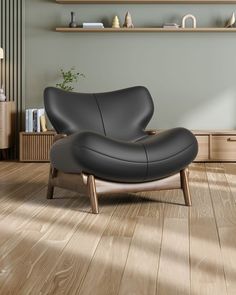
58,137
151,132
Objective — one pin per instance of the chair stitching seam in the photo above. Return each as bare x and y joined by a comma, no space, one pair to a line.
100,111
150,162
147,167
84,147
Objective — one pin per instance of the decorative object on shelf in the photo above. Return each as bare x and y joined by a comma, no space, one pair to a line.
189,16
69,77
43,123
116,22
147,30
2,94
128,21
93,26
171,26
230,22
73,23
1,53
33,120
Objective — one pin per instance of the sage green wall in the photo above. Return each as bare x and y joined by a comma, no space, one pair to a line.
191,76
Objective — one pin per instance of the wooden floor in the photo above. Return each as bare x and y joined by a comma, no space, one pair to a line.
138,245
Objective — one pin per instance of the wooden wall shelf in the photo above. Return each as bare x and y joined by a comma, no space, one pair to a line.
146,1
146,30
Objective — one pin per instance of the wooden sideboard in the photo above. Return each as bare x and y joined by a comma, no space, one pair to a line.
216,146
7,112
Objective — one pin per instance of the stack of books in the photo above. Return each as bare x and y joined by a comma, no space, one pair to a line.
93,25
33,120
171,26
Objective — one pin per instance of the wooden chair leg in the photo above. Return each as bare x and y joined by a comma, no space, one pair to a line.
185,187
50,190
92,194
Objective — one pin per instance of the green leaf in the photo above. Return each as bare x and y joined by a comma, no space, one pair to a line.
68,78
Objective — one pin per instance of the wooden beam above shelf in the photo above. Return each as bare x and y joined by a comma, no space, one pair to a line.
146,1
145,30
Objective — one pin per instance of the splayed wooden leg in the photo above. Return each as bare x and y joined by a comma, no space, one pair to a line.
185,187
93,194
50,191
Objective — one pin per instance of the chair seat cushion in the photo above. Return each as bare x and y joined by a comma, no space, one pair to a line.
150,158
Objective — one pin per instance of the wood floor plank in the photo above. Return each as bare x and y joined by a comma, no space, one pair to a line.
27,213
7,168
152,205
230,173
141,244
207,272
117,236
151,212
55,242
174,269
12,184
44,239
174,277
25,192
225,214
140,272
106,268
222,198
74,262
15,222
124,218
16,170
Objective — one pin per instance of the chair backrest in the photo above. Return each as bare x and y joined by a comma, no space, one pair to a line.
121,114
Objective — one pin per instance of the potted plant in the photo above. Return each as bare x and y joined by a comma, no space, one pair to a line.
69,78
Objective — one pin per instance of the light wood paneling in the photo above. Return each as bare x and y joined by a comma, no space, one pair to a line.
136,245
12,67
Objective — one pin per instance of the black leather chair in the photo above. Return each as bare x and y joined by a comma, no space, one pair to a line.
102,146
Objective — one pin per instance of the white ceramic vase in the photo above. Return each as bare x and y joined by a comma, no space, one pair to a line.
2,95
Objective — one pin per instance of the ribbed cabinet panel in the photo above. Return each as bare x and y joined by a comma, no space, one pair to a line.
35,147
12,67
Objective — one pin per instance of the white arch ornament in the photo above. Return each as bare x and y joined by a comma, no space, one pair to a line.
189,16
